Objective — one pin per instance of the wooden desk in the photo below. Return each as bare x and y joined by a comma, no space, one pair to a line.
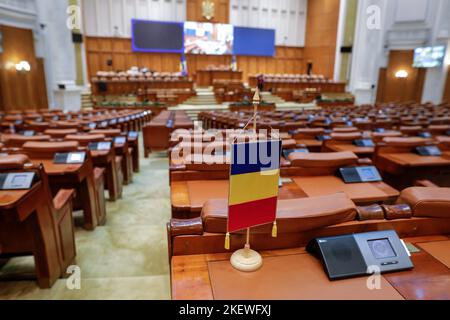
430,279
107,159
188,197
205,78
360,193
362,152
401,170
26,226
123,150
75,176
415,160
134,143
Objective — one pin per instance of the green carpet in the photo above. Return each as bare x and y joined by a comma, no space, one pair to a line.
125,259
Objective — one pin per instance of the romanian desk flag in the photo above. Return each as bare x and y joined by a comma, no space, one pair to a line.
183,66
233,63
254,180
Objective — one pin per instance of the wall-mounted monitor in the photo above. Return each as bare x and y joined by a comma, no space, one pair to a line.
208,38
156,36
429,57
254,42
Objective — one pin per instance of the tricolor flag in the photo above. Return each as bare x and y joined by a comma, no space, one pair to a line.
233,63
254,180
183,66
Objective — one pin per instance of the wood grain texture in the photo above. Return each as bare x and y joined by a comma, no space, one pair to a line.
446,95
430,279
391,89
321,33
99,50
20,91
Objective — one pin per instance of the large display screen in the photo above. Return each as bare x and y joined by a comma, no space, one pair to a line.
157,36
429,57
208,38
254,42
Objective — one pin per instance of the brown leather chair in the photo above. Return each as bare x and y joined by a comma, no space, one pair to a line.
17,140
345,142
60,133
307,137
419,212
32,221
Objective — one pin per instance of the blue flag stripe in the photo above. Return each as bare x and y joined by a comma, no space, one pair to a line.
255,156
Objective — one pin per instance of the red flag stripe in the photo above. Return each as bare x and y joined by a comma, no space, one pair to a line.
249,214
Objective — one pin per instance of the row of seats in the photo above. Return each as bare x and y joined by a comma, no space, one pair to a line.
413,197
39,220
157,132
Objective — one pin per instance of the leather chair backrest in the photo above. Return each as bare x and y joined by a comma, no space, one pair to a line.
326,159
14,161
294,215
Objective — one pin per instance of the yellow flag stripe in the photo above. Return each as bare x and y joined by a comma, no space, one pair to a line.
253,186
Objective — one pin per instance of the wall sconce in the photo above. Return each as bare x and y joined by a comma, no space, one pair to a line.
401,74
23,66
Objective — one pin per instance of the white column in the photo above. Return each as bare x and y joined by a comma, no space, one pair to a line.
340,38
59,57
368,50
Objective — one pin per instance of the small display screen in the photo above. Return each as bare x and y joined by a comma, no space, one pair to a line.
368,174
381,248
28,133
77,157
104,146
286,153
132,134
92,125
429,151
120,140
425,135
323,137
364,143
429,57
19,180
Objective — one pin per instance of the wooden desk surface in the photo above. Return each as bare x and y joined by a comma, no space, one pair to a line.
314,186
352,148
430,279
58,169
8,198
415,160
191,195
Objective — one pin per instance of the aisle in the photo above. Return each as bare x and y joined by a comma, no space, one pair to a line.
126,258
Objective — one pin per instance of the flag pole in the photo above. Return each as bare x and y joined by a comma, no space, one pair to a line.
246,259
256,101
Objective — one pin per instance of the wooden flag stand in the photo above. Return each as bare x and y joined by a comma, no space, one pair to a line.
246,259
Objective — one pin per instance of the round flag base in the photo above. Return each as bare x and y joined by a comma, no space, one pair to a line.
246,260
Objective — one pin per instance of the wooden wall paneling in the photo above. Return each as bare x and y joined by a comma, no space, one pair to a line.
446,95
26,90
381,84
286,60
321,33
401,89
41,88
